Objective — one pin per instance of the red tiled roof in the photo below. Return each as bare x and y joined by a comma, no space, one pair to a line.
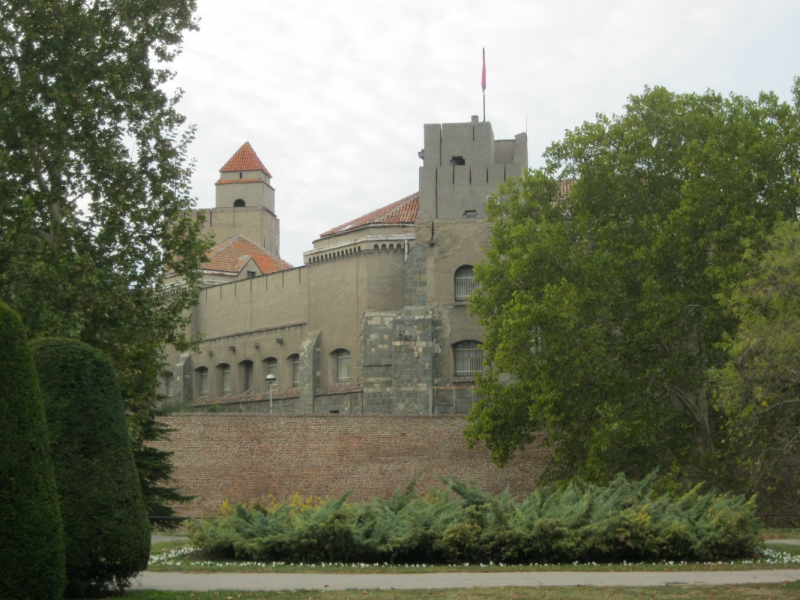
224,181
564,185
402,211
245,159
233,254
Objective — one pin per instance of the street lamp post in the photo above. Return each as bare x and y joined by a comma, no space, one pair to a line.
271,379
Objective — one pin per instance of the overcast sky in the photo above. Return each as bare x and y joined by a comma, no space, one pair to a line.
333,95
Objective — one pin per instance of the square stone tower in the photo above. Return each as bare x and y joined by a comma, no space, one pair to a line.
463,163
245,202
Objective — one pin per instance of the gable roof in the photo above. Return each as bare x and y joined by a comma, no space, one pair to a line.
234,253
244,159
405,211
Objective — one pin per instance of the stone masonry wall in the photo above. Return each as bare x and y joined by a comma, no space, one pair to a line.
241,457
397,350
415,284
309,372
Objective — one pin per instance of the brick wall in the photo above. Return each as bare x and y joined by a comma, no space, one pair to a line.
245,456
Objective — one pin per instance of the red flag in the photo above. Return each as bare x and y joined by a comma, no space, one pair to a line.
483,75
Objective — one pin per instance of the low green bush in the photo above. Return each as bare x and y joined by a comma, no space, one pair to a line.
105,521
31,535
576,522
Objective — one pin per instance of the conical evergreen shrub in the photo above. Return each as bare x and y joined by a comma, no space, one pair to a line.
31,534
105,522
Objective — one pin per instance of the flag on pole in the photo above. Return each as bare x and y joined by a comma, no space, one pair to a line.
483,75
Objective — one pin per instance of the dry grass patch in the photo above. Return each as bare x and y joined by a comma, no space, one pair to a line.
740,592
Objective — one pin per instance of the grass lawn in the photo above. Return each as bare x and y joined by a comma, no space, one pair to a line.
178,556
675,592
781,534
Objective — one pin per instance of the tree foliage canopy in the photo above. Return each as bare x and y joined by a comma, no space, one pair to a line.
757,392
94,185
601,294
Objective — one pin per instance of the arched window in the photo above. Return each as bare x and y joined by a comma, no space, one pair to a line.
464,282
238,203
342,361
202,380
169,389
469,358
246,376
294,359
270,368
224,378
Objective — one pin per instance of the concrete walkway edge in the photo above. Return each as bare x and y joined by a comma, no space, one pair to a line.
202,582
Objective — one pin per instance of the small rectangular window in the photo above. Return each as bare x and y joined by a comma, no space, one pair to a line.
251,274
470,214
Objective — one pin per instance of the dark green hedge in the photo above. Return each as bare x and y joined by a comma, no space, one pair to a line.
31,535
579,522
105,522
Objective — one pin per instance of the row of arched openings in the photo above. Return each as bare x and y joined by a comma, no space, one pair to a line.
246,381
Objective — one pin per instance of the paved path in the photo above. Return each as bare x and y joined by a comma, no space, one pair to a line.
167,537
785,542
201,582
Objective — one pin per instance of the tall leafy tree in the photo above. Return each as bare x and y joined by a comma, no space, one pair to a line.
758,389
94,184
601,293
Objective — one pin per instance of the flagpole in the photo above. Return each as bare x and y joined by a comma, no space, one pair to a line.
483,84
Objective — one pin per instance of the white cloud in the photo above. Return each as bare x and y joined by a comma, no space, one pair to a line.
333,95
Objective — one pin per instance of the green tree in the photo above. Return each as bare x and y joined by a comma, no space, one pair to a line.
94,192
758,389
105,521
602,302
32,548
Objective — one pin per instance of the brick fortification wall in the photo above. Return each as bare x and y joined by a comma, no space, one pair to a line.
241,457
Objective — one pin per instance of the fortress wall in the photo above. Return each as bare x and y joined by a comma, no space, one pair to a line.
336,298
252,320
252,304
241,457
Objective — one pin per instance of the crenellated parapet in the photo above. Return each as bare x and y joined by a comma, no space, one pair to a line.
462,164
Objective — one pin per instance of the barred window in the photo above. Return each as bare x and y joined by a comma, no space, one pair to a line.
295,358
202,381
464,282
225,378
271,367
469,359
342,366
